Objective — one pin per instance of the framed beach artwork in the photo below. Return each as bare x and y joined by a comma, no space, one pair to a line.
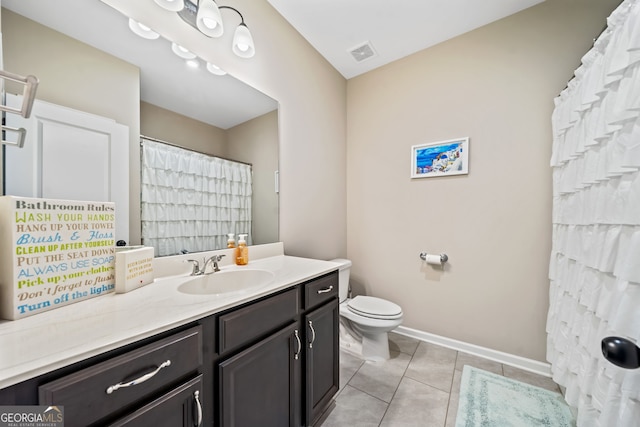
443,158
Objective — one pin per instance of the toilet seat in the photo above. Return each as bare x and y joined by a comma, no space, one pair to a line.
375,308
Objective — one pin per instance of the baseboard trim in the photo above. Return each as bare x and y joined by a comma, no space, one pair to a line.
530,365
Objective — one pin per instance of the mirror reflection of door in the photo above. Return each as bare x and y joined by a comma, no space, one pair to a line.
70,155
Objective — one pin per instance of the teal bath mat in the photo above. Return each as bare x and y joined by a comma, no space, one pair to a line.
490,400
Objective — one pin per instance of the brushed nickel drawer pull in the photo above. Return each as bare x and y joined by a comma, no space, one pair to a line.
137,381
196,396
325,290
313,334
299,345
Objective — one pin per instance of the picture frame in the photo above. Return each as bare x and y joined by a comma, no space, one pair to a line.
442,158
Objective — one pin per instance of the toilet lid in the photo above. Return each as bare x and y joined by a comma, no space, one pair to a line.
374,307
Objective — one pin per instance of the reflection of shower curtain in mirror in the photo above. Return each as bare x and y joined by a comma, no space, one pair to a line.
595,258
191,201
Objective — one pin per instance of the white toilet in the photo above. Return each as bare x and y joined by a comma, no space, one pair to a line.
365,321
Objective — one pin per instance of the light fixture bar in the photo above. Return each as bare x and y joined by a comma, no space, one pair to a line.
206,18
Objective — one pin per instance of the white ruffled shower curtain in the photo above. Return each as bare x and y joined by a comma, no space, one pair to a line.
595,260
190,201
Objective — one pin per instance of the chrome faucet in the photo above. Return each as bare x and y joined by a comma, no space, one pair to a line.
197,271
215,259
196,267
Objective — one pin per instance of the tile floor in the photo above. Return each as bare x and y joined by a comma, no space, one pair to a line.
418,386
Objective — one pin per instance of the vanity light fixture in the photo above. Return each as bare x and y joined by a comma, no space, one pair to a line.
190,58
204,15
214,69
142,30
182,52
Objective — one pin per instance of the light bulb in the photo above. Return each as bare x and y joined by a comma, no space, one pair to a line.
214,69
172,5
182,52
142,30
208,19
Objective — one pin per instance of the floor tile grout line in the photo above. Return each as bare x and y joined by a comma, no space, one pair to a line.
453,377
397,387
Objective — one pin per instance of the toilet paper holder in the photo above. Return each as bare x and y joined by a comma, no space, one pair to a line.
443,257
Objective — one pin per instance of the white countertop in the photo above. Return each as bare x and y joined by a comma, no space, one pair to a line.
47,341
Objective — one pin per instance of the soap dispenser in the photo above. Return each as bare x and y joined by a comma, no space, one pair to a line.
242,251
231,241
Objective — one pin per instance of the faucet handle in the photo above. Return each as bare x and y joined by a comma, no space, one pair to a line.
196,267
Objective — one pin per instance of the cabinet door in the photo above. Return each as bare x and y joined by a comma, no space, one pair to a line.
322,359
261,385
180,407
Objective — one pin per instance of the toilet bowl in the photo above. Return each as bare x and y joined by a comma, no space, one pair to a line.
365,320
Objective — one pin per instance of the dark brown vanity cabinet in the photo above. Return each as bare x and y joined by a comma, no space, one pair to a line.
157,383
288,377
322,364
269,362
260,347
322,359
260,386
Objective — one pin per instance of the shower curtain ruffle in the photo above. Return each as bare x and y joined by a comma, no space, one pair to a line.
191,201
594,267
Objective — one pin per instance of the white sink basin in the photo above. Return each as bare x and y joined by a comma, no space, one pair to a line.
227,282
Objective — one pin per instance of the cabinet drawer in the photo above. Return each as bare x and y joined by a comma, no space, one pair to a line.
241,326
320,290
108,387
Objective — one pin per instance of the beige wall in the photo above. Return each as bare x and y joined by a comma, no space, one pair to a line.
496,86
312,117
175,128
256,142
68,71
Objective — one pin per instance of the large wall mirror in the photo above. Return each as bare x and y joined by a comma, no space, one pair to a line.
88,59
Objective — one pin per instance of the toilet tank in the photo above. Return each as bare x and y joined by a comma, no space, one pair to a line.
343,277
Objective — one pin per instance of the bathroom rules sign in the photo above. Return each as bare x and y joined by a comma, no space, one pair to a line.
53,253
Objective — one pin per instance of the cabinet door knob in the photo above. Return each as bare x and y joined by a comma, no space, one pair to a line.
325,290
196,398
313,334
299,345
139,380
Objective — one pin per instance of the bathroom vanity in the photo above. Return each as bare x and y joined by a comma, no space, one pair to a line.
158,356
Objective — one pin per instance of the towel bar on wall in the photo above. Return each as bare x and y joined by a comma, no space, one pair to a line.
28,96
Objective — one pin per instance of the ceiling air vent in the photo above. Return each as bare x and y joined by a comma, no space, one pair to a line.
362,52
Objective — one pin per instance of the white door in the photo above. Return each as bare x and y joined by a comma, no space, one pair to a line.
70,155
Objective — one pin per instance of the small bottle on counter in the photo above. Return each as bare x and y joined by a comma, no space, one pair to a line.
242,251
231,241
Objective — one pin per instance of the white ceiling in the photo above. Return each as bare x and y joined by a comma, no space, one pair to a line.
334,27
395,28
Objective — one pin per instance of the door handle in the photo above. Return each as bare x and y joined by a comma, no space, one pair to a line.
621,352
